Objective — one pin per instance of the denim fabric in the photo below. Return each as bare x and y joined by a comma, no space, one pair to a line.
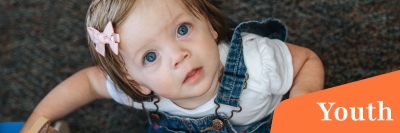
179,124
234,75
231,86
271,28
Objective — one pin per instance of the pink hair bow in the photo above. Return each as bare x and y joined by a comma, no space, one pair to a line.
100,39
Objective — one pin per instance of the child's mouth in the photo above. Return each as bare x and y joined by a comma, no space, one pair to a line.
193,75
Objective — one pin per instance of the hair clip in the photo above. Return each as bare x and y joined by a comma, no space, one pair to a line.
107,36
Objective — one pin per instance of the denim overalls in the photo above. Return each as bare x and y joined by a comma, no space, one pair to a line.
233,81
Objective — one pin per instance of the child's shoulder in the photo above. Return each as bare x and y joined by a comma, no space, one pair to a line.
266,60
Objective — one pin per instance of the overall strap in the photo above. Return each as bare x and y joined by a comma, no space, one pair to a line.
234,76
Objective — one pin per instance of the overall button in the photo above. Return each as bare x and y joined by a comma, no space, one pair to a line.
154,117
217,124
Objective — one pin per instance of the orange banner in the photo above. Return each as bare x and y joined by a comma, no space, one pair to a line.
367,106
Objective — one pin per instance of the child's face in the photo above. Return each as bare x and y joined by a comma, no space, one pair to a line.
170,51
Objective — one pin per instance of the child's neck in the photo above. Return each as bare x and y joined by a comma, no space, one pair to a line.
195,102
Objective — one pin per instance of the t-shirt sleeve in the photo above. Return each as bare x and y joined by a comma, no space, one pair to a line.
269,64
117,94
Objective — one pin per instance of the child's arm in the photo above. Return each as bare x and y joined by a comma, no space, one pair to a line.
308,71
81,88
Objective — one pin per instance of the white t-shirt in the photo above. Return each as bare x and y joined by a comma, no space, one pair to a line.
270,69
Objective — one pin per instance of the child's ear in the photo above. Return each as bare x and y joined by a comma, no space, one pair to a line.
144,90
212,30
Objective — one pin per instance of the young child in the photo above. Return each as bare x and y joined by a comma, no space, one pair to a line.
172,58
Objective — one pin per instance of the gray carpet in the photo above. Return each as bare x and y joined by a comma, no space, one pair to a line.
43,42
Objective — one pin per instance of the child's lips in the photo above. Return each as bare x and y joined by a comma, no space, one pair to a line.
193,75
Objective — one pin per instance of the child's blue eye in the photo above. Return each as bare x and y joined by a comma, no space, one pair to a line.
150,57
183,29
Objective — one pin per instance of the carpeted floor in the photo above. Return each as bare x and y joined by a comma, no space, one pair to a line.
43,42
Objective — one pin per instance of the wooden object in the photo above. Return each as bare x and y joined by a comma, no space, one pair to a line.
42,125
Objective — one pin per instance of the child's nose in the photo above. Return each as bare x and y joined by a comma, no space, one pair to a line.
178,56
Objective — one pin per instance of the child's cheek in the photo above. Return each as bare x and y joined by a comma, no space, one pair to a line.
162,84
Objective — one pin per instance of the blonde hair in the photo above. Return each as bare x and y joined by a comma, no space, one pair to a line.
101,12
